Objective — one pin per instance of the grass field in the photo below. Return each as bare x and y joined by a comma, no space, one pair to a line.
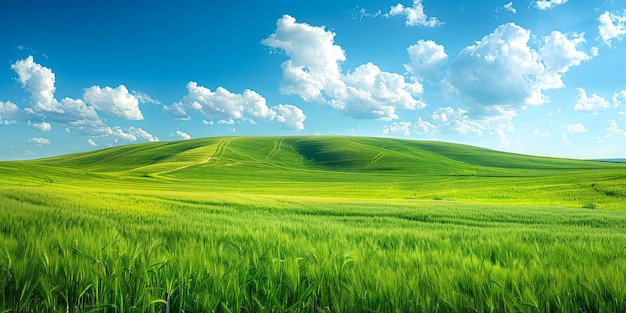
310,224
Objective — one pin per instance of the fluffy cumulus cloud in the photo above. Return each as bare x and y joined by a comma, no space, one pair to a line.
414,14
313,58
458,120
558,53
43,126
39,82
313,72
228,107
577,128
220,103
427,60
591,104
181,134
398,127
290,116
612,26
39,141
131,134
548,4
424,127
613,131
113,101
77,114
8,110
502,73
420,127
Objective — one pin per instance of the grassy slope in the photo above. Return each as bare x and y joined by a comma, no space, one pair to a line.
353,167
272,224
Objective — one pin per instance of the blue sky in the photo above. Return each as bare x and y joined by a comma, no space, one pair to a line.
533,77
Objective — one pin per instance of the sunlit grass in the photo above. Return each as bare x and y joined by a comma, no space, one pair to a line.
227,252
278,224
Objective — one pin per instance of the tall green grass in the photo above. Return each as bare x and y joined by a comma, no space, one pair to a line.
144,251
310,224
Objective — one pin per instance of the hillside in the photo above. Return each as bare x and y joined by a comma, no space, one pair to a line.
351,154
332,166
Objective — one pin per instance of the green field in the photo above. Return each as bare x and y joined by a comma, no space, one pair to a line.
311,224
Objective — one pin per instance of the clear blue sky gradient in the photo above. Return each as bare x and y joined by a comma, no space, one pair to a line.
532,77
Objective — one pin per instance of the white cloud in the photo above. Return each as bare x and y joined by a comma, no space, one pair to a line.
229,121
558,54
415,15
256,106
75,114
290,116
619,101
132,134
458,120
119,134
39,141
43,126
420,127
548,4
509,8
591,104
577,128
372,93
221,103
612,26
501,73
613,130
91,142
427,59
113,101
39,81
424,127
181,134
313,72
177,111
142,134
229,107
398,127
498,71
313,58
144,98
8,110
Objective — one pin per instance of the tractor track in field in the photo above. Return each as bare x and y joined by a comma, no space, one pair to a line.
277,144
376,158
221,147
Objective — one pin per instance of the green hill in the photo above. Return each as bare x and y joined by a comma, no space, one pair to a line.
334,166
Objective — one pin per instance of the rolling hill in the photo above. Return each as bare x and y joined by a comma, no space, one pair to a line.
334,166
311,224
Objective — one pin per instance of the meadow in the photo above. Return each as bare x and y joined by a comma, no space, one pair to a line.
311,224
